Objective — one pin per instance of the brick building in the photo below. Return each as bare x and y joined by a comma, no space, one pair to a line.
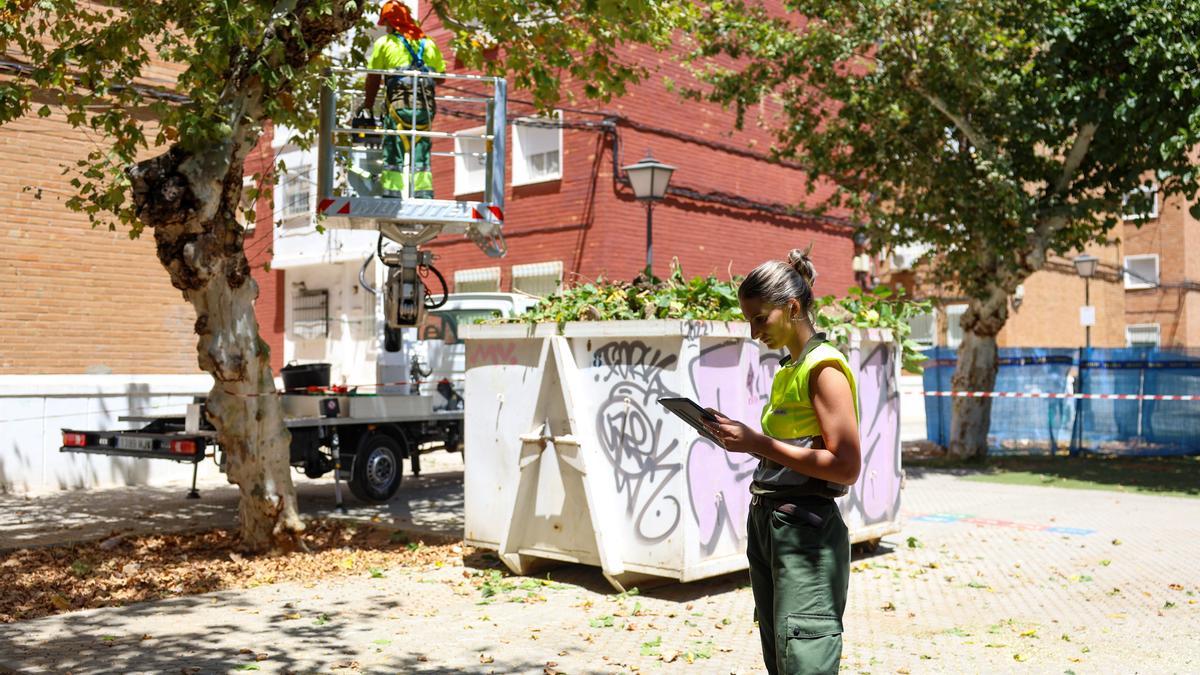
569,214
1161,254
1146,290
91,328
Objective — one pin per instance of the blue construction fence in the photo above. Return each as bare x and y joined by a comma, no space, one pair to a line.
1143,427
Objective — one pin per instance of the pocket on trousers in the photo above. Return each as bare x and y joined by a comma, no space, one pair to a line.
809,518
813,643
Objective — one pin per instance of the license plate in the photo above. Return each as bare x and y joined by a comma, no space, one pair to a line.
135,443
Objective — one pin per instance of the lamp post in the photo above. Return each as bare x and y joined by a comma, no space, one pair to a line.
1085,265
649,178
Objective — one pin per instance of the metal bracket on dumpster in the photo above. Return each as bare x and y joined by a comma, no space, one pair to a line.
571,448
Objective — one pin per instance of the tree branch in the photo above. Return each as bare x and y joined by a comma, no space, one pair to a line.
1079,149
977,139
449,21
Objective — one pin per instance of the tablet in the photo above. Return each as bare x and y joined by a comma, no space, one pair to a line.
691,412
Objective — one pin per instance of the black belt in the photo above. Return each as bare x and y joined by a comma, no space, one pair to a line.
795,507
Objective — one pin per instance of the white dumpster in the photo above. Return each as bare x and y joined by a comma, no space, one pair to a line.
570,458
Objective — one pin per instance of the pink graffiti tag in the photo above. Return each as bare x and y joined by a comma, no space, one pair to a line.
491,354
733,379
878,489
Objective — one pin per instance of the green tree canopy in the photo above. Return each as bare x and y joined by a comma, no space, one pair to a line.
995,132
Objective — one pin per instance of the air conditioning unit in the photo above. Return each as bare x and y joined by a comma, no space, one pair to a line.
904,257
903,260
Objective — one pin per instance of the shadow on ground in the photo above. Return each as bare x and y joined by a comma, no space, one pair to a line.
100,641
592,579
429,504
1177,475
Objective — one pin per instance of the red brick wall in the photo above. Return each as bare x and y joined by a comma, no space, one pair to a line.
74,299
596,227
269,306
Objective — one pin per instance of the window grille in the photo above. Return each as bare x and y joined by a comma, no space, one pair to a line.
478,280
1142,335
924,329
297,189
310,314
540,279
954,332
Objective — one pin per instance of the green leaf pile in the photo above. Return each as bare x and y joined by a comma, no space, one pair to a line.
646,297
712,299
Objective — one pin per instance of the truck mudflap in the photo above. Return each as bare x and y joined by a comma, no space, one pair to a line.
179,446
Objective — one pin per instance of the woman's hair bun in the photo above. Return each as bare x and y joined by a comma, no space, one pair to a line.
800,261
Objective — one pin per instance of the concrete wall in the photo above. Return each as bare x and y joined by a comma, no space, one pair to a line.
35,408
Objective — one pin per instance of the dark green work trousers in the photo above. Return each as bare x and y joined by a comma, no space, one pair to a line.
799,572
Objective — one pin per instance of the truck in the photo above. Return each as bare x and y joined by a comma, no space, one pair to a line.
362,437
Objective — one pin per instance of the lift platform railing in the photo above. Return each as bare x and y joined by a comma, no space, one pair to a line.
355,201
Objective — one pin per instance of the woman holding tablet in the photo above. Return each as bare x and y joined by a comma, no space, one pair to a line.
798,546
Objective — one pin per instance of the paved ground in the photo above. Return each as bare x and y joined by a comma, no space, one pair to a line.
984,578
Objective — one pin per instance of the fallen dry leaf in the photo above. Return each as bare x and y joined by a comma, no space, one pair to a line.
153,566
484,658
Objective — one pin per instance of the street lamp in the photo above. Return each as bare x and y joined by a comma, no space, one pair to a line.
1085,265
649,178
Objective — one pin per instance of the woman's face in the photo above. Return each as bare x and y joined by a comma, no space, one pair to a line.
769,324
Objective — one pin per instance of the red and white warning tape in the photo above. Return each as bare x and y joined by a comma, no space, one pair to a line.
1018,394
334,390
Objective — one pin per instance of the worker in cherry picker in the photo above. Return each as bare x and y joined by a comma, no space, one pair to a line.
404,47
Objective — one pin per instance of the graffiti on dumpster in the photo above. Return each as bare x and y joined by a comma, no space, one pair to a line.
629,426
877,495
735,378
491,353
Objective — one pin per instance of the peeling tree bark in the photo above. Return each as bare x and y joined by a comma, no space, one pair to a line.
185,199
190,200
976,371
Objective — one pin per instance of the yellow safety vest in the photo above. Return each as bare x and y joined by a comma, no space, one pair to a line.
789,416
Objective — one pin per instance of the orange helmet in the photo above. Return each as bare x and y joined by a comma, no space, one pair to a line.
396,15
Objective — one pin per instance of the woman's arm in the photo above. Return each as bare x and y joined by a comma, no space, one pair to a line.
839,461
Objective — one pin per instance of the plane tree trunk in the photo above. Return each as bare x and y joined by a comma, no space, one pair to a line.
190,197
976,371
186,199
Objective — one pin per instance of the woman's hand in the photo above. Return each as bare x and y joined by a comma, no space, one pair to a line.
735,436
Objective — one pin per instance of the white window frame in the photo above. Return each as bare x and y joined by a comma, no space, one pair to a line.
1152,190
929,339
465,180
520,167
1134,283
1133,326
247,224
537,270
300,175
478,275
954,316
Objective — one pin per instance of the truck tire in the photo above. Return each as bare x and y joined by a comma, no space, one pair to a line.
378,468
